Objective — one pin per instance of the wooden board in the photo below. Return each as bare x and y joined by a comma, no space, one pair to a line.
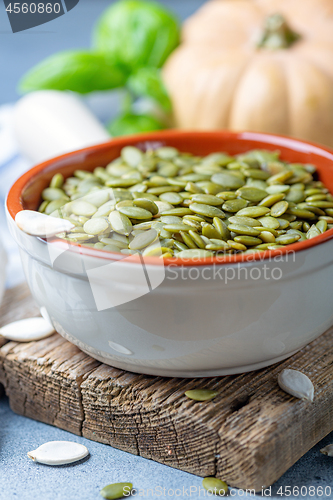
249,435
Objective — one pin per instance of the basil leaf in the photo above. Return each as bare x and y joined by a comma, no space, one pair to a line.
147,82
137,33
79,71
129,124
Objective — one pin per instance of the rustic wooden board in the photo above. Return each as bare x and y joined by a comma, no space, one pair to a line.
250,434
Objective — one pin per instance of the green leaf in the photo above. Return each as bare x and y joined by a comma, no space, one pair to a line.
147,82
79,71
130,124
137,33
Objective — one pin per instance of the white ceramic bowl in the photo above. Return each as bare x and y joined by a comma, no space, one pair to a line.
190,319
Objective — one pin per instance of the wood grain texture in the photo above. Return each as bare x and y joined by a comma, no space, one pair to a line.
249,435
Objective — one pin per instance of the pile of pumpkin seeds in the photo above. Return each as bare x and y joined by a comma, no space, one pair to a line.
165,203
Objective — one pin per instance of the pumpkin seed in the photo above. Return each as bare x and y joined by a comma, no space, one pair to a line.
206,210
207,199
81,207
96,226
234,205
177,211
27,330
172,198
58,453
193,188
55,205
146,204
322,226
176,228
247,240
201,394
245,221
328,450
215,485
210,231
253,211
251,193
279,208
197,239
228,180
136,213
302,213
116,490
313,232
52,193
277,188
222,228
38,224
188,240
296,384
57,181
144,239
131,155
287,239
120,223
240,229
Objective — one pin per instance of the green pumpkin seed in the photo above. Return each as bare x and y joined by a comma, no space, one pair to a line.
322,204
180,246
287,239
267,237
74,237
197,239
277,188
143,239
207,199
251,193
247,240
193,188
280,178
244,221
166,152
136,213
172,198
228,180
43,206
189,242
201,394
206,210
96,226
176,228
51,194
271,199
234,205
120,223
301,212
131,155
176,211
236,245
279,208
147,204
239,229
116,490
227,195
168,170
313,232
210,231
194,254
222,228
253,212
57,181
215,485
81,207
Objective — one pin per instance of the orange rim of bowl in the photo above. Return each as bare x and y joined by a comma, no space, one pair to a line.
14,198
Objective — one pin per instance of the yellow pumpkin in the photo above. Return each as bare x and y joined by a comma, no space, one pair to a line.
261,65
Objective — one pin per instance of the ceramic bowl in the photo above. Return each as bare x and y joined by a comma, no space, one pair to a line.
216,316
